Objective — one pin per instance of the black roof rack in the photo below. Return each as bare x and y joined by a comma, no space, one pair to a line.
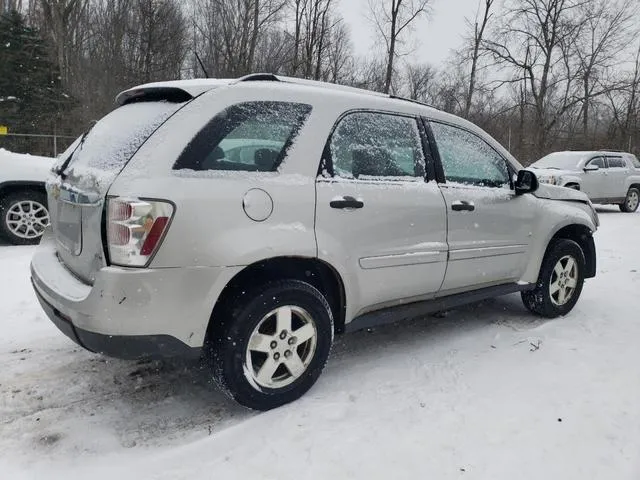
259,77
418,102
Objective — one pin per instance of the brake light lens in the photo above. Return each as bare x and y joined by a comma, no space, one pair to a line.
135,229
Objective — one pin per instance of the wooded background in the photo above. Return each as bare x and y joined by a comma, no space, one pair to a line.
539,75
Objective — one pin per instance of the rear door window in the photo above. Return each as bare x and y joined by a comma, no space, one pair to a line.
251,136
615,162
374,146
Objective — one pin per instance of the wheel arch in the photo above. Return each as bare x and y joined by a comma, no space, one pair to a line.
7,188
583,236
314,271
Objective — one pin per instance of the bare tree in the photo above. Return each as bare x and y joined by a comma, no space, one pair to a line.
338,53
535,41
61,19
8,5
605,35
392,19
419,80
314,25
625,107
479,28
229,32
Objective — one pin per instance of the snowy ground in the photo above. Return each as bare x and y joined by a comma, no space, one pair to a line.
486,392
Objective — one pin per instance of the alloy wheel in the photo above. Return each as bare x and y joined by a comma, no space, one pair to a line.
632,201
564,280
281,347
27,219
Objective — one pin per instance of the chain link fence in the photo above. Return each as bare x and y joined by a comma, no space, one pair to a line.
36,144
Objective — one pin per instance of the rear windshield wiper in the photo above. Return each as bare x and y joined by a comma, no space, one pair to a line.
61,169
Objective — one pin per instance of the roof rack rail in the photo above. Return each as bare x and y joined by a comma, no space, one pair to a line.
270,77
259,77
611,150
418,102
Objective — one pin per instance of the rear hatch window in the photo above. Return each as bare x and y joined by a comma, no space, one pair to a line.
110,144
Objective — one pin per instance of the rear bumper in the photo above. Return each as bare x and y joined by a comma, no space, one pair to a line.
119,346
129,313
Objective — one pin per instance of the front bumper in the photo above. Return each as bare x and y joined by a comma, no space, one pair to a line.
129,313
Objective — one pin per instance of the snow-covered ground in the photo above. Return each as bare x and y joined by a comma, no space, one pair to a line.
486,392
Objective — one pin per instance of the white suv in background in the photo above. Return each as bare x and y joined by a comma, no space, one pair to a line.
249,220
606,177
23,198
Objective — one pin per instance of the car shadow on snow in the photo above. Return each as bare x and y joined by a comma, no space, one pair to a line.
161,402
416,334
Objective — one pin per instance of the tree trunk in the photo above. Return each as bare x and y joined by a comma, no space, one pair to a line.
254,34
392,45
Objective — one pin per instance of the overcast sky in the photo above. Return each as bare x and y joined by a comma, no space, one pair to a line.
435,36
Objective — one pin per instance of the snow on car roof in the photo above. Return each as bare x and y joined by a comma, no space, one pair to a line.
6,155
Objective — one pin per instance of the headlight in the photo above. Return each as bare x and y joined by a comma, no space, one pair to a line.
549,179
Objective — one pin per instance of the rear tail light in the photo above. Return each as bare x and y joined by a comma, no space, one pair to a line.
135,229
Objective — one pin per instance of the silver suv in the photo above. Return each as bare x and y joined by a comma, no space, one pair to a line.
606,177
247,221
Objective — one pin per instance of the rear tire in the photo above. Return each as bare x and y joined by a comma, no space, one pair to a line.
560,281
631,201
24,215
270,345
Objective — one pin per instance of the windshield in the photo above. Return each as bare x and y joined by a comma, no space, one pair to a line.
560,161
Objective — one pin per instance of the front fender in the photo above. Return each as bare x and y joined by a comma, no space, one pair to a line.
556,217
632,180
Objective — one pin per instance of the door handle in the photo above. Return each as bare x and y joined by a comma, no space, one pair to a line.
346,202
462,206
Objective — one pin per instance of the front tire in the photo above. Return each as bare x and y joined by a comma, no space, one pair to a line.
631,201
560,281
24,216
271,344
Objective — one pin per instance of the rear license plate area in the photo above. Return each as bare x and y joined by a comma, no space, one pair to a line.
69,227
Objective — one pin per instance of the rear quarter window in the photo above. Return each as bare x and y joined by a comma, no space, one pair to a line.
250,136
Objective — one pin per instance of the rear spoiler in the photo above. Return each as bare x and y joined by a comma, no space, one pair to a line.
153,94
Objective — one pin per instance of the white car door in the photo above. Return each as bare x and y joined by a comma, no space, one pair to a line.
490,228
376,216
617,176
594,182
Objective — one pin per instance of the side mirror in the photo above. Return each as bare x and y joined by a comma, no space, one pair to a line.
527,182
591,168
